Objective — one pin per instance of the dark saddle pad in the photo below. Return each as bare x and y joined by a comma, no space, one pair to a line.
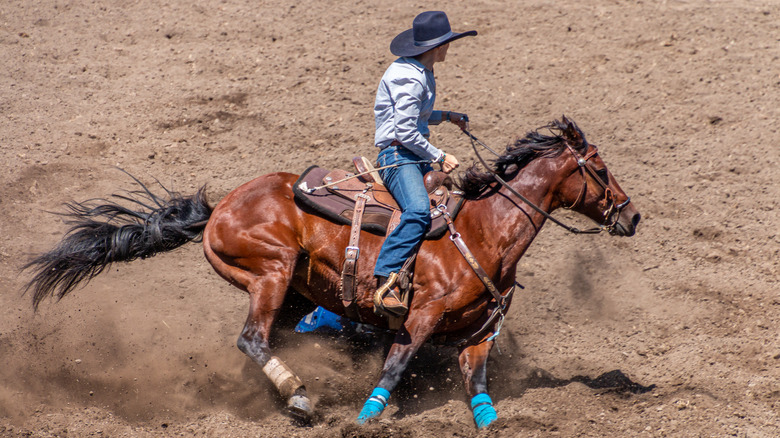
337,202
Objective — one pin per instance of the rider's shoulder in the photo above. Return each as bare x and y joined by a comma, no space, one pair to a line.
405,68
409,63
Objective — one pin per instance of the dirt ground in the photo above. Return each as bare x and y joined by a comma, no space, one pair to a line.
683,98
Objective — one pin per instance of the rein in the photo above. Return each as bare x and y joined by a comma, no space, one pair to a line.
582,162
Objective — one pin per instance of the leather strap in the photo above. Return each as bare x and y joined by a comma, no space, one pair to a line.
395,219
472,261
366,172
496,319
351,254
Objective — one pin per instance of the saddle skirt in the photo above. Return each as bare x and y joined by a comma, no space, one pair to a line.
337,201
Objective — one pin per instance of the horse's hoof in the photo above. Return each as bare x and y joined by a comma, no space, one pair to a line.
299,407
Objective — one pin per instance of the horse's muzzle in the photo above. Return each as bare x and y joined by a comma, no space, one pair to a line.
626,223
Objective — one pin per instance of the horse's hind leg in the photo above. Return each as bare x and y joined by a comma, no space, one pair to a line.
473,365
253,240
266,297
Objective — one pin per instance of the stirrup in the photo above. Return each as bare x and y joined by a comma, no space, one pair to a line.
387,301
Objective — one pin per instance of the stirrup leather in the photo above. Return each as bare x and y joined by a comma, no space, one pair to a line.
387,300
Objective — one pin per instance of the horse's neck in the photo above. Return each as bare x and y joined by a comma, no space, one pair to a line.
513,224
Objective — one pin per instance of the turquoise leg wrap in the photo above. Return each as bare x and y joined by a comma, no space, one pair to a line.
484,412
374,405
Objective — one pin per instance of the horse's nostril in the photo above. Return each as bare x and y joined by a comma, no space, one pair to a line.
635,219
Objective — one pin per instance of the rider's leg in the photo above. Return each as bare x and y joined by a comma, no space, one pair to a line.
406,184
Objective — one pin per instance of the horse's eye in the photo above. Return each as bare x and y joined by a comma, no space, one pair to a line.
602,173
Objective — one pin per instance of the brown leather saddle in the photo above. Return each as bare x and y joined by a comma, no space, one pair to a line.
362,201
333,194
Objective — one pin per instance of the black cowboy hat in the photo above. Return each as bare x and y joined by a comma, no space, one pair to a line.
429,30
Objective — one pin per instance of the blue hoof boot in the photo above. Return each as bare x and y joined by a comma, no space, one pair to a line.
484,412
320,320
374,405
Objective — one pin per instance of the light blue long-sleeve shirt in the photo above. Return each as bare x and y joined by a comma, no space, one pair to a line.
404,108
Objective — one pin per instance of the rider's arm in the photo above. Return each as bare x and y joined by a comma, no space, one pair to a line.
406,94
437,117
459,119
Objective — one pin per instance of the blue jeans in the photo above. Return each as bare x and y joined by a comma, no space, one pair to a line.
407,187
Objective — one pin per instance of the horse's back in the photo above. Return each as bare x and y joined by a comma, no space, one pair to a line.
255,193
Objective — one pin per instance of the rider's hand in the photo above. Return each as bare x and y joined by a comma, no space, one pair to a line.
449,164
459,119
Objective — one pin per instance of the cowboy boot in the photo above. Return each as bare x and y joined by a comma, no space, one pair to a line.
387,298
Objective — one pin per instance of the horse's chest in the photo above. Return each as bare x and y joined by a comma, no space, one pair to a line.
461,315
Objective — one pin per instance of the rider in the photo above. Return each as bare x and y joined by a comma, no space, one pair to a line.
403,110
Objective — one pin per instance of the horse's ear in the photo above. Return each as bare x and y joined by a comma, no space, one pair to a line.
572,132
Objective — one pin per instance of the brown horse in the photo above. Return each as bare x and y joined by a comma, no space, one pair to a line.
262,241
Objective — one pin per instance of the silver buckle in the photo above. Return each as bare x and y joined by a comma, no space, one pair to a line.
357,251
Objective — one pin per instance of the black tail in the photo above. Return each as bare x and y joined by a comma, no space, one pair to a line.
103,232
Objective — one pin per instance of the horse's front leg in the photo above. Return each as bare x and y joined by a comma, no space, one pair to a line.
473,365
415,331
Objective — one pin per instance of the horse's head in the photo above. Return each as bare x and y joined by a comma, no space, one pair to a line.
589,187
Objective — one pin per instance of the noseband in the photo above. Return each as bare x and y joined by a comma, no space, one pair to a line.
584,166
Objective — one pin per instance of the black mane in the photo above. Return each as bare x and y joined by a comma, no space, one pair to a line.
524,150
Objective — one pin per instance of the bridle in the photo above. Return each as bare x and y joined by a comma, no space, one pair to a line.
613,210
585,166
